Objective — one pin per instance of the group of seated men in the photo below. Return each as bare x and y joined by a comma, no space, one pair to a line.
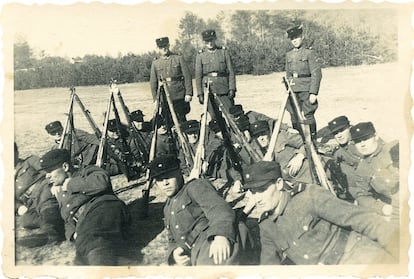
271,212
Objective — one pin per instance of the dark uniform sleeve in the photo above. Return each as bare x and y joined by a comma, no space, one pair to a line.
232,76
91,181
199,74
188,82
347,215
268,254
220,216
362,194
316,73
154,80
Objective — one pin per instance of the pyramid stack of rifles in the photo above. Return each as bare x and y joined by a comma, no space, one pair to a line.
288,194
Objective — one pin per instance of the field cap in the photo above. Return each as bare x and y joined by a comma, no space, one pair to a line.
191,127
338,124
208,35
112,125
54,159
236,110
163,165
137,116
259,128
54,128
260,174
294,32
214,126
362,131
162,42
243,123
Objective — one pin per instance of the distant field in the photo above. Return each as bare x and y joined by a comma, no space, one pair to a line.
377,93
364,93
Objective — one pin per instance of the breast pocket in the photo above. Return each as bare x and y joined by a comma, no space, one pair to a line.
176,71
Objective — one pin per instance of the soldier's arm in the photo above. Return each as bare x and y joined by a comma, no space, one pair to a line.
188,82
360,191
232,75
268,255
153,80
91,181
199,75
221,217
316,73
348,215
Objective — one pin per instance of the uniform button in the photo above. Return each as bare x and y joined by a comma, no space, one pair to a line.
172,212
294,243
168,226
83,192
176,226
17,181
182,238
183,206
358,238
71,212
305,228
19,186
63,195
306,256
67,205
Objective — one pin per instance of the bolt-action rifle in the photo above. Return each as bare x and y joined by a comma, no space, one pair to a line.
237,133
310,148
200,155
234,156
149,180
184,145
136,135
269,153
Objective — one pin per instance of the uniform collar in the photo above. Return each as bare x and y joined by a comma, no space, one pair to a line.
380,146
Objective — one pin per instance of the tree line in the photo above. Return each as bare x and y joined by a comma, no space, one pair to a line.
256,41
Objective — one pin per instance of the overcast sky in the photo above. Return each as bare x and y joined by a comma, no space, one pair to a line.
102,29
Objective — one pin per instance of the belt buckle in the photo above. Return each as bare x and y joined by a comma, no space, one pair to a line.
295,75
168,79
214,74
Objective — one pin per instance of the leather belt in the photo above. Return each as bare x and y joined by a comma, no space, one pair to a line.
191,237
296,75
174,78
217,74
78,213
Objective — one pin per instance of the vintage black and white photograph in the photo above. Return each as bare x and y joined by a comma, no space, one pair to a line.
206,139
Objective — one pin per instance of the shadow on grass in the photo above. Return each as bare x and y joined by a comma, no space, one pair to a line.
142,230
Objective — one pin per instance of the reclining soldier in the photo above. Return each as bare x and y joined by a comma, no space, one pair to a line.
201,225
95,219
306,224
35,204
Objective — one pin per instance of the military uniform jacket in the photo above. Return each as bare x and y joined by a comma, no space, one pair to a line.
87,187
311,228
288,144
31,187
303,70
197,212
217,67
174,70
377,179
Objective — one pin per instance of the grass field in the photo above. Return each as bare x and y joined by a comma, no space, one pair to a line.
377,93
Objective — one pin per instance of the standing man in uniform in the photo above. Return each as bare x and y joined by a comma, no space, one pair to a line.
201,225
172,69
304,74
377,176
213,64
306,224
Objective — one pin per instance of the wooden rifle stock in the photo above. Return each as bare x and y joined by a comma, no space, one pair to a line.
147,187
102,143
310,148
234,156
237,133
269,153
188,154
137,137
199,157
